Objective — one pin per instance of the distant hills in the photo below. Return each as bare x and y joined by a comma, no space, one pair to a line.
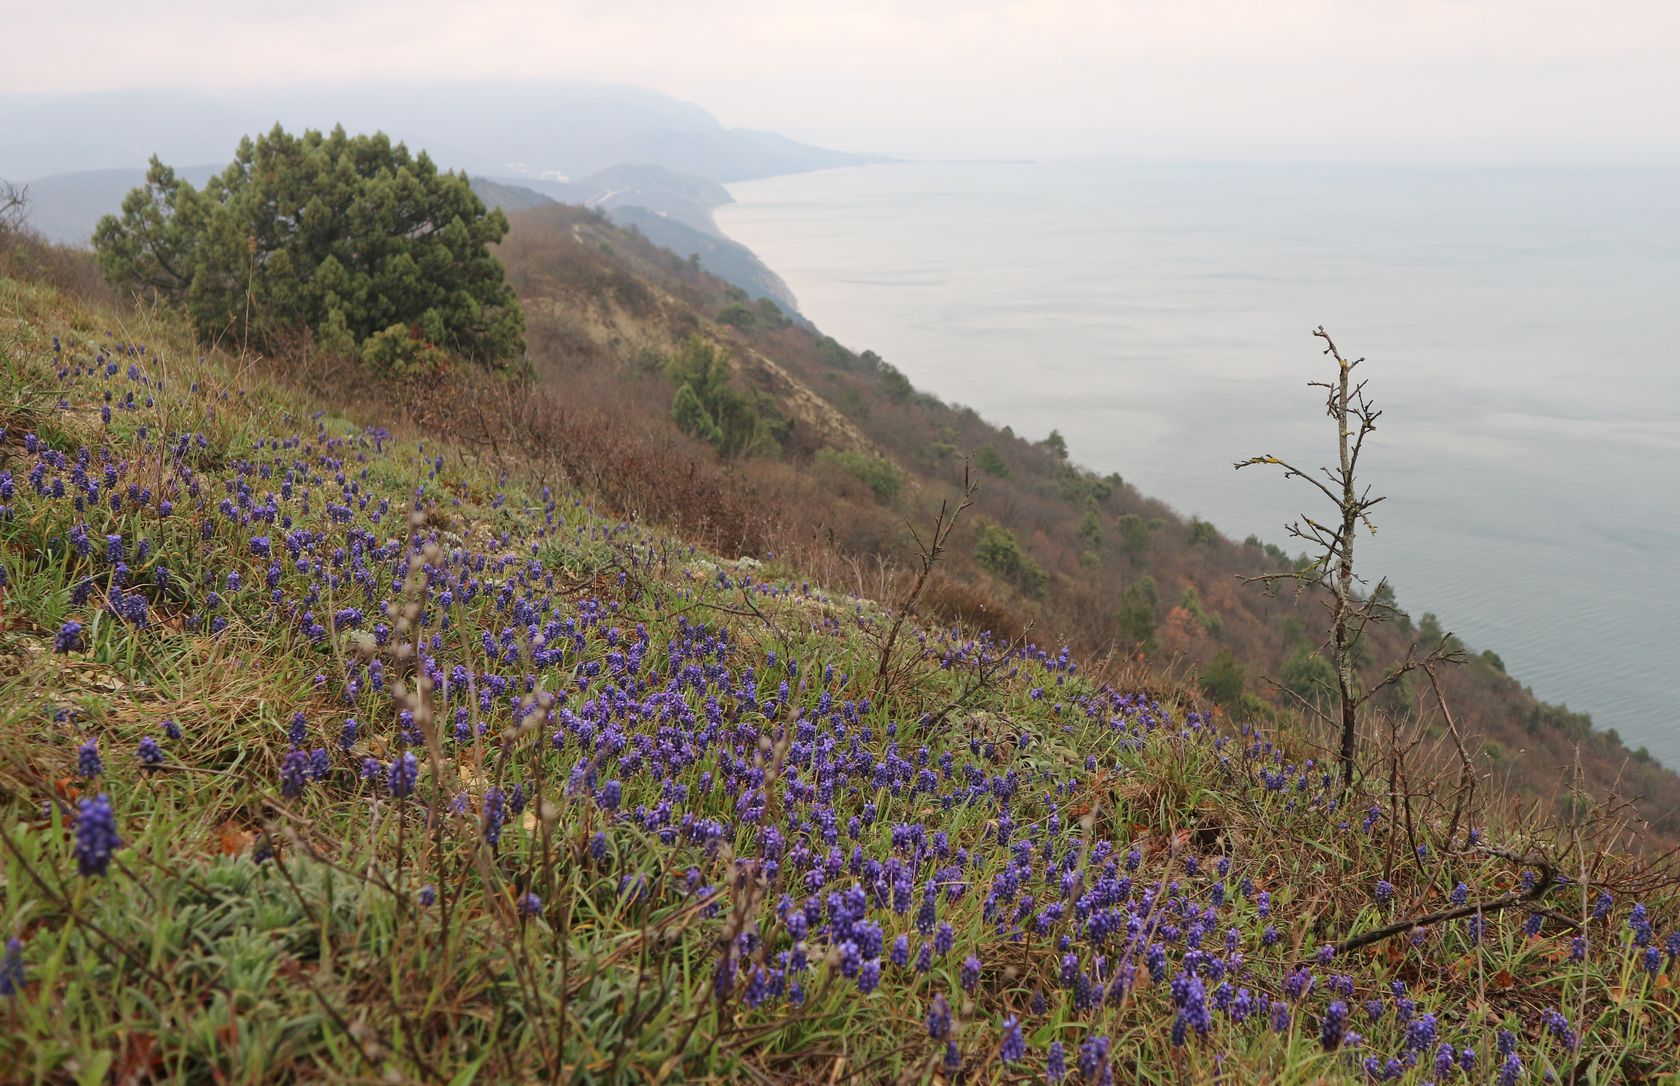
642,157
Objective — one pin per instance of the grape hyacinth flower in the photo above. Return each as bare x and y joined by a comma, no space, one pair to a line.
96,835
150,754
403,774
1055,1064
1014,1045
970,974
294,774
1334,1026
939,1018
88,762
12,976
495,815
69,637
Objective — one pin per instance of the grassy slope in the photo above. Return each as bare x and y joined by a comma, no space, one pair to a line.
602,303
266,917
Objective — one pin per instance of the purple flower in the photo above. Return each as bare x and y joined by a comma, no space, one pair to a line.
530,905
1055,1068
939,1018
495,815
1420,1033
869,976
88,761
294,774
1511,1071
12,976
1014,1045
1385,891
970,974
149,753
428,895
403,774
611,793
69,637
1334,1026
1093,1057
172,729
96,835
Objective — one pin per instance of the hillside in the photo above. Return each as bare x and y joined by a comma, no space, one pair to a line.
1117,573
343,749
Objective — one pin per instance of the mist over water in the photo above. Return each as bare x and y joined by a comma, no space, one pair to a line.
1520,326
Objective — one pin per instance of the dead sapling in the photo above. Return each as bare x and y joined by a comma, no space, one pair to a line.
1332,569
928,552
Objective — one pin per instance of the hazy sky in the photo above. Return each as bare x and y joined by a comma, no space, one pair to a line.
1478,79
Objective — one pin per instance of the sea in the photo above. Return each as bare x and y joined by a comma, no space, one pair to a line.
1519,325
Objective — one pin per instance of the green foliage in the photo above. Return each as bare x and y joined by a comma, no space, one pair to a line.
1309,677
835,353
1202,533
1057,445
1134,536
1431,633
990,461
1492,659
707,406
345,237
894,383
1560,718
692,418
738,315
1091,533
1079,486
1222,680
1191,601
883,477
997,550
770,314
1136,617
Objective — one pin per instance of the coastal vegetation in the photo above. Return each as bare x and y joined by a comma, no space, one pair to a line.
687,705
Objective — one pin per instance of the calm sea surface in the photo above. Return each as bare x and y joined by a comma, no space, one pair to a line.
1522,331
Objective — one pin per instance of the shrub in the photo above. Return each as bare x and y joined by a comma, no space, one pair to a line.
708,406
347,237
1134,536
998,551
990,461
883,477
1137,613
1222,679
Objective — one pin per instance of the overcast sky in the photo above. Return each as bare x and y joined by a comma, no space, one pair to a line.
1480,79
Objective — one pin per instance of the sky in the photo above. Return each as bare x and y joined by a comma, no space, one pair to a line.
1323,79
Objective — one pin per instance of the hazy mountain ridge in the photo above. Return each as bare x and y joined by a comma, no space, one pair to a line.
647,159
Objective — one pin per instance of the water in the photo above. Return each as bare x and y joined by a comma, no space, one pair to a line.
1520,324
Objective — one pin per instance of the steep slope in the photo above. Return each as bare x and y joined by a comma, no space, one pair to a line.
341,750
1081,559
